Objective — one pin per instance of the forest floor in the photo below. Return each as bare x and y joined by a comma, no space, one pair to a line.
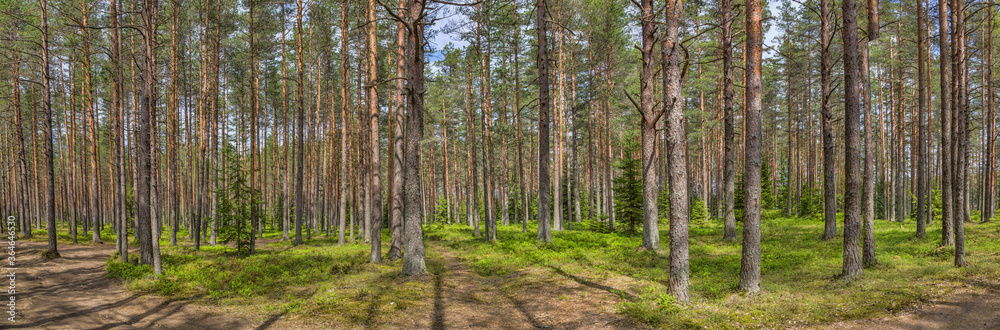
583,280
74,291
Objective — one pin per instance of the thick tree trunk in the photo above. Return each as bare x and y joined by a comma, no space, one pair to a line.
676,153
650,168
396,198
852,136
750,261
144,148
413,234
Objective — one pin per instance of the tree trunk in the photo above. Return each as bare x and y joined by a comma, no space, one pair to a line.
344,99
649,117
413,236
396,198
676,152
989,154
376,164
49,131
300,205
960,121
544,227
852,136
119,132
869,258
729,161
750,261
829,144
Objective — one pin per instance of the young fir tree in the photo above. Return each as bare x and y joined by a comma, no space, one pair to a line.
628,189
235,201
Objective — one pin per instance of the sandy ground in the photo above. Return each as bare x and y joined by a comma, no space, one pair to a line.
73,292
463,300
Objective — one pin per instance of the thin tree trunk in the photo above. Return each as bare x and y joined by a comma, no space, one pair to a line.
921,161
829,143
300,173
544,226
344,99
869,258
48,132
989,152
376,164
397,196
960,121
729,162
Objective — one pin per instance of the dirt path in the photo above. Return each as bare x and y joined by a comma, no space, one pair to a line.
73,292
463,299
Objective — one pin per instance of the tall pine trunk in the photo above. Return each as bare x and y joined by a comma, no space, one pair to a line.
750,261
677,152
544,227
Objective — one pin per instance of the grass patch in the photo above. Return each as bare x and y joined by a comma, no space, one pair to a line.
317,278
